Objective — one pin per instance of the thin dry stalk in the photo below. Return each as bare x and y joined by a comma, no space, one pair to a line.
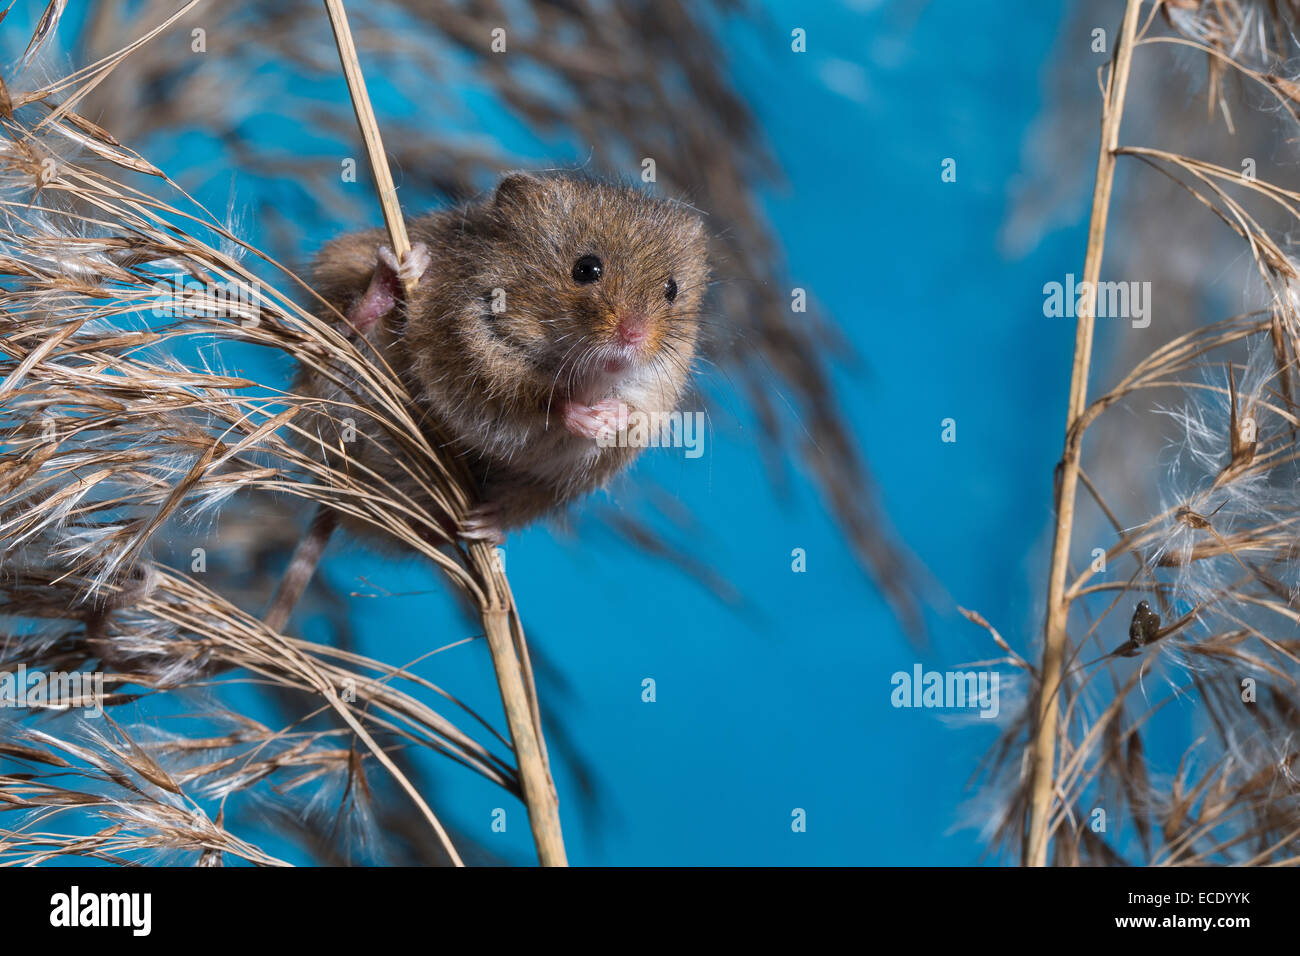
1043,751
369,126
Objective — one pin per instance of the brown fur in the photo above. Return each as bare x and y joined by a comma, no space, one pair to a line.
495,383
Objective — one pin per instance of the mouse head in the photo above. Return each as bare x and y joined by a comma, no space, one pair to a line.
600,282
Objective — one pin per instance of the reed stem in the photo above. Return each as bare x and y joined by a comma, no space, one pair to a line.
369,128
1043,745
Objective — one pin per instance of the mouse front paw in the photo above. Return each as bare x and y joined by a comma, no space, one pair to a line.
601,420
413,266
386,286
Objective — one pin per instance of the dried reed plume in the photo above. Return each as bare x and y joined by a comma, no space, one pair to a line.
119,425
1173,740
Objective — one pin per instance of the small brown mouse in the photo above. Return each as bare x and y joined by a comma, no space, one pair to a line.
537,315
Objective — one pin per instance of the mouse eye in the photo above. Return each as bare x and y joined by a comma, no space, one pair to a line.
670,289
588,269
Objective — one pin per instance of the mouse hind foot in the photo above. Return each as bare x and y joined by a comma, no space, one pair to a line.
483,523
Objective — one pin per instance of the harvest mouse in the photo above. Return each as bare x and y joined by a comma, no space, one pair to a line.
539,318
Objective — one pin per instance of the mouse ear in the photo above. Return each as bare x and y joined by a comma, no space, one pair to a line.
695,227
517,188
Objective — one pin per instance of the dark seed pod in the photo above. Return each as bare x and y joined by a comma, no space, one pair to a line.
1145,626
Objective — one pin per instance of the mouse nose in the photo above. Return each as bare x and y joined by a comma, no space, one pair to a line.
632,330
